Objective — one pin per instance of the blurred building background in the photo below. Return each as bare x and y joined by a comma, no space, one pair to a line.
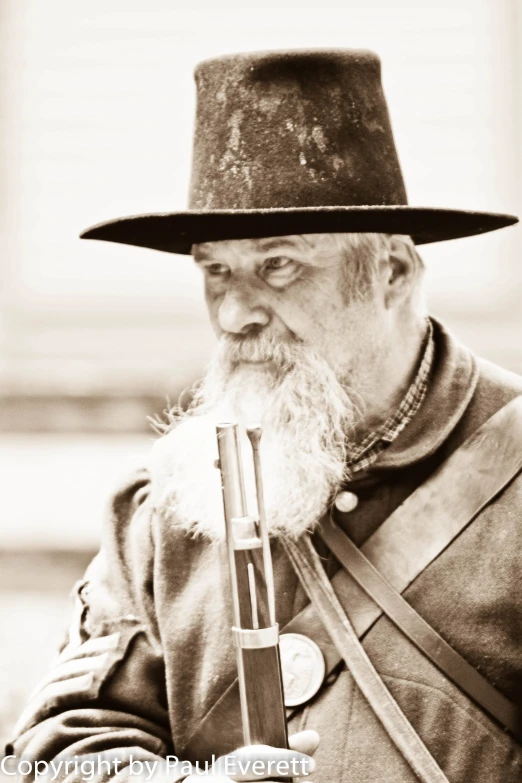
97,111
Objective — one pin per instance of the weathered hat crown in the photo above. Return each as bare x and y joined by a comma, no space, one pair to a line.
299,129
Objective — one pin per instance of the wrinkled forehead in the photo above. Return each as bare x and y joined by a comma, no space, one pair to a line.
306,245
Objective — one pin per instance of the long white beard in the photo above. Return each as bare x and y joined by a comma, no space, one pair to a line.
306,415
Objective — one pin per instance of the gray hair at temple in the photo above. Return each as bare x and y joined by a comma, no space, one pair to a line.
363,252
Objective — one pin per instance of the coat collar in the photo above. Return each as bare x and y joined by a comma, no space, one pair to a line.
454,377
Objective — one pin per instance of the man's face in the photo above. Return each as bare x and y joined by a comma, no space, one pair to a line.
299,353
292,288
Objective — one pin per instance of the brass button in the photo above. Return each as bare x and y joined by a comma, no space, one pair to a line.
346,501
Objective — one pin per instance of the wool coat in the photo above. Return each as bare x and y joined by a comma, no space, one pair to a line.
150,650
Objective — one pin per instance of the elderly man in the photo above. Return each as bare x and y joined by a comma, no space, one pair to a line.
387,446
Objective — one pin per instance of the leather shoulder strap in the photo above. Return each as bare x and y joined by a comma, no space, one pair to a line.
423,636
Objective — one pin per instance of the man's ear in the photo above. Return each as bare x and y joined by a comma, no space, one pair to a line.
402,269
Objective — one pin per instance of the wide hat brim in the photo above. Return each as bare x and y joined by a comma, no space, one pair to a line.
176,232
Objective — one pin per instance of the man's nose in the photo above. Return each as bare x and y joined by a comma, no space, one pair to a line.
241,311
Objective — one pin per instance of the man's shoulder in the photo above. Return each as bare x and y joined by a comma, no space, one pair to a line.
493,388
496,386
140,520
129,492
500,378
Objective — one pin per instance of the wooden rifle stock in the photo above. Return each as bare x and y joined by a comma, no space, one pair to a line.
255,630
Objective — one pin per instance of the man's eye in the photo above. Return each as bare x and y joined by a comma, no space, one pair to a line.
216,270
276,263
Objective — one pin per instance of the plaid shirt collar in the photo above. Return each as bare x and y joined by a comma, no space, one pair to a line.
366,452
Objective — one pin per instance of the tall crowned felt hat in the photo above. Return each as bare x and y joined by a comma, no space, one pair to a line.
293,142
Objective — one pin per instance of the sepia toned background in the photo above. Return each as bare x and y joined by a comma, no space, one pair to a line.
96,118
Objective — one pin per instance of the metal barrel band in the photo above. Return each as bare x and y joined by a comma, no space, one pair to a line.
256,638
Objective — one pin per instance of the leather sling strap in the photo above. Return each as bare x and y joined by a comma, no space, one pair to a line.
425,638
308,566
407,542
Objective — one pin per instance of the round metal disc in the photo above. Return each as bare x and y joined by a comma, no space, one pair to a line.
303,668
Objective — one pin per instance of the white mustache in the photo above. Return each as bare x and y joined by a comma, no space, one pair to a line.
283,355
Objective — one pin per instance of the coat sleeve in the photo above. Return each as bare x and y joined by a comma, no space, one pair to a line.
105,695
